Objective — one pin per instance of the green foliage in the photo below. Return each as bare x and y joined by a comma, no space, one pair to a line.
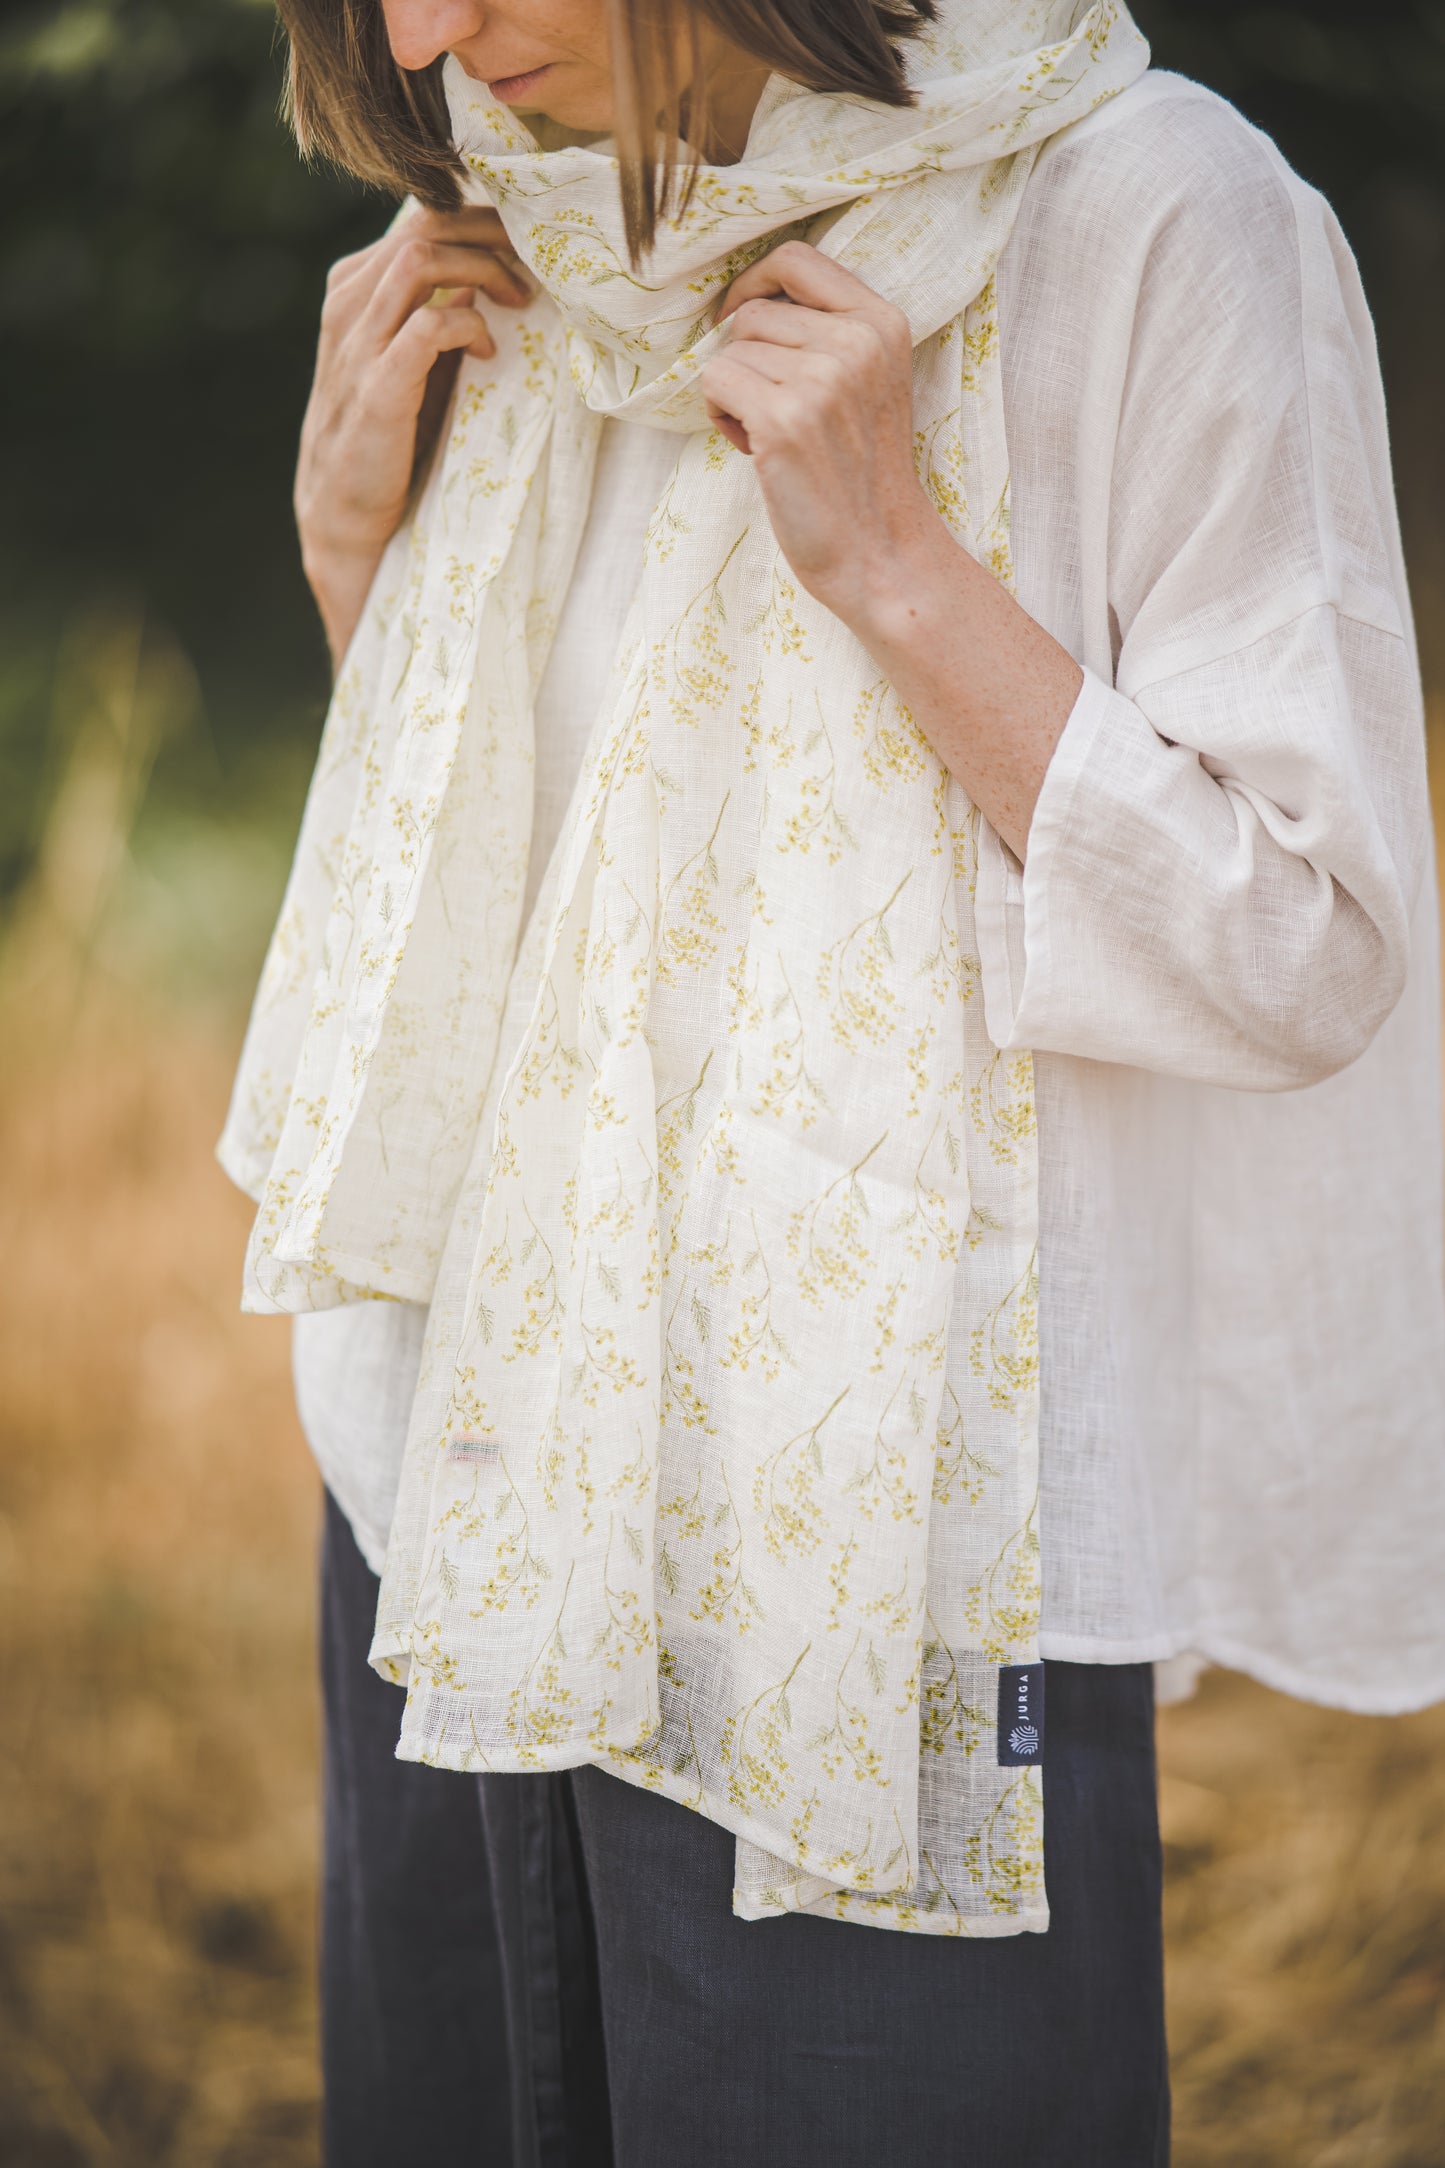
162,252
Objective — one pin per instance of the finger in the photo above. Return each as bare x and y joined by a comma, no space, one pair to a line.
374,316
418,270
776,393
804,274
396,383
801,273
732,430
738,394
420,267
771,363
353,279
789,324
487,271
803,368
349,285
474,226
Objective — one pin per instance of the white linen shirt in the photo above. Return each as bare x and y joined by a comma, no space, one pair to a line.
1223,948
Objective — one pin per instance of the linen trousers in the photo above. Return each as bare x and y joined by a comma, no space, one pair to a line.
545,1971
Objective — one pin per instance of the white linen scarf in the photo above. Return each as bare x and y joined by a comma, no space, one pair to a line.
723,1473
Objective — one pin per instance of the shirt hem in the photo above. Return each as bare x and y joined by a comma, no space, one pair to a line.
1355,1697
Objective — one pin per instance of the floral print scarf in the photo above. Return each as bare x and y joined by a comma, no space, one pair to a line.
723,1470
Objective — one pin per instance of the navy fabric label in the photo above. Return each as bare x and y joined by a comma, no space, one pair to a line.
1020,1715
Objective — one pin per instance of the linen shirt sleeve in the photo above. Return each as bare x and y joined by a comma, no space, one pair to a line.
1230,835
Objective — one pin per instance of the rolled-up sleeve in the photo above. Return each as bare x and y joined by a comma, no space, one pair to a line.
1229,838
1234,922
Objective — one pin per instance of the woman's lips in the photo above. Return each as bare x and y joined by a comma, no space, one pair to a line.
510,89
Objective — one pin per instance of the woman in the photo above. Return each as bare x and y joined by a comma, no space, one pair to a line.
860,981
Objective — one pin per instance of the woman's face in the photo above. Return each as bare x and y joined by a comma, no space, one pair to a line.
538,56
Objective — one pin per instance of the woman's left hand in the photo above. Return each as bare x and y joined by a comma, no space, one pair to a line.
816,384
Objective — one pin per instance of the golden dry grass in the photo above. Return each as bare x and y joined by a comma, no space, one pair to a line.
157,1757
157,1832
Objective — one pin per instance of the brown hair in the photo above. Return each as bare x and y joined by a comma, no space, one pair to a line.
349,101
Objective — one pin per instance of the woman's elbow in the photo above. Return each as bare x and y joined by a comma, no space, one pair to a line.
1336,998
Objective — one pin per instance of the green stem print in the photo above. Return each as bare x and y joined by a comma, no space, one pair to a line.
465,1519
692,669
783,1488
818,817
929,1224
549,1058
951,972
944,1715
666,528
680,1397
893,1610
1006,1855
634,1481
855,979
517,1569
1003,1348
756,1338
727,1594
883,1486
845,1743
939,461
1002,1607
936,1893
790,1083
752,1744
543,1314
628,1624
825,1237
690,1515
602,1361
540,1706
894,749
689,928
960,1477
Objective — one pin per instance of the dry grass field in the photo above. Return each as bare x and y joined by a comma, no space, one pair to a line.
157,1755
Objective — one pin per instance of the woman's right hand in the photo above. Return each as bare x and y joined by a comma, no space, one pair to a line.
384,369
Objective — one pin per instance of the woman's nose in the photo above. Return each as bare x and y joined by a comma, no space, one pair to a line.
420,31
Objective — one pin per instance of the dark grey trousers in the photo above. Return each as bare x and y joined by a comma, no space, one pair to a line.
414,2059
545,1972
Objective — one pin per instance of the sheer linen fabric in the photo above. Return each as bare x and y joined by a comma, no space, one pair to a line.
1241,1333
754,924
356,1366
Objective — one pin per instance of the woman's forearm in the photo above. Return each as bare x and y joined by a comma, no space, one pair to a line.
989,688
339,583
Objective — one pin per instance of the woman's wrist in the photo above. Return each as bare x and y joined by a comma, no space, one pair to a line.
984,681
340,580
900,578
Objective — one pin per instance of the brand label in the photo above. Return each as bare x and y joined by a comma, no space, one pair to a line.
1020,1715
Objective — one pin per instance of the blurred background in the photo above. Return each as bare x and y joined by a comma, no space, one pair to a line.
162,682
